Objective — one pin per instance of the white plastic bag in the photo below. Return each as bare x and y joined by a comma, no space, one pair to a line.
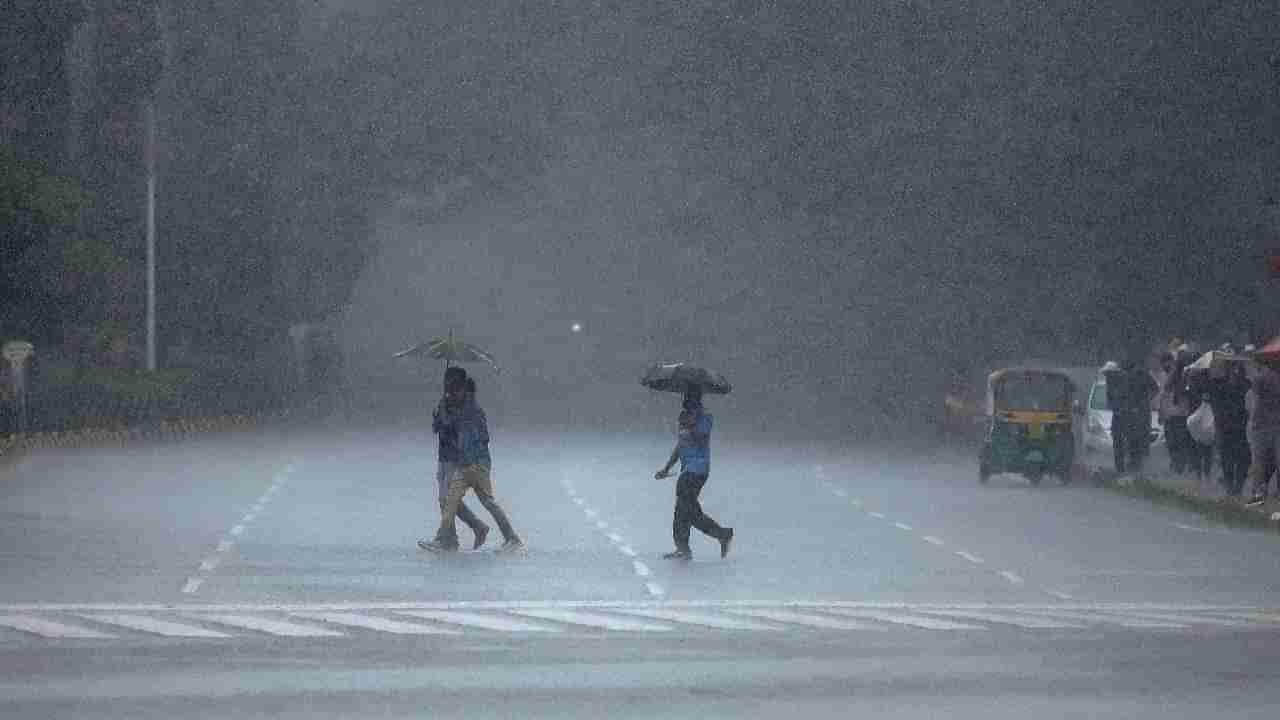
1200,424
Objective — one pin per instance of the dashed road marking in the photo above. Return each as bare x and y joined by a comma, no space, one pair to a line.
655,590
933,540
641,569
1012,577
876,515
902,526
970,557
626,550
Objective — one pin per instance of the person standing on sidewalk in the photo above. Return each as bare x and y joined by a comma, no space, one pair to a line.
1135,411
1227,388
1175,407
474,472
1115,379
1264,432
693,450
448,457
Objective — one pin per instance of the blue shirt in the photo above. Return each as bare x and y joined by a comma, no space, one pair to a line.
470,429
694,444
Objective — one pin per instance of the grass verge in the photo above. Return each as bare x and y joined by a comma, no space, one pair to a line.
1224,511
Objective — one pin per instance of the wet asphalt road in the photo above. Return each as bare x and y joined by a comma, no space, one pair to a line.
277,575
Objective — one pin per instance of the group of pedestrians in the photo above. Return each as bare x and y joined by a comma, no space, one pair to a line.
1242,396
465,464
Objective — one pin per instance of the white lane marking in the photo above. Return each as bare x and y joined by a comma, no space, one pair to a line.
370,622
208,564
970,557
237,530
1061,595
268,625
1003,618
876,515
49,628
840,492
895,618
477,620
590,513
792,617
1012,577
579,500
1182,526
705,619
193,584
1098,618
902,526
614,537
626,550
596,620
248,519
155,626
641,569
257,507
655,589
933,540
602,525
224,545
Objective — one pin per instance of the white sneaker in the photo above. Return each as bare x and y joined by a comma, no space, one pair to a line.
514,545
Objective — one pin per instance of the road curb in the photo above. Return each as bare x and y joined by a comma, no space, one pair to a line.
13,447
1223,510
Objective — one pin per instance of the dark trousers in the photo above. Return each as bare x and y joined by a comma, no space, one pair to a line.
689,511
1233,451
1178,439
1130,438
1120,441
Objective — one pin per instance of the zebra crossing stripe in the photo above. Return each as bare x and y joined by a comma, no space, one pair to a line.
895,618
49,628
155,626
1008,618
704,619
370,622
478,620
269,626
1180,619
1100,618
791,617
597,620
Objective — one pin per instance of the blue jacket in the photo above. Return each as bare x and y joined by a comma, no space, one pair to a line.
469,430
447,435
695,443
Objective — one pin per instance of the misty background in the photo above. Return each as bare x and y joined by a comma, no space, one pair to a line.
842,207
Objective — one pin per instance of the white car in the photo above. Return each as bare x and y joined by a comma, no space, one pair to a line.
1097,430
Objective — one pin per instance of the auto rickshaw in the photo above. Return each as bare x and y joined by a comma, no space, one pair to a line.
1030,432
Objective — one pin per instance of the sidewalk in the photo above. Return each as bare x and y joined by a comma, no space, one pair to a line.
1208,496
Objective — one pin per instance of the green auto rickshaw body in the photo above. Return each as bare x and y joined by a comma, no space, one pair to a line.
1029,431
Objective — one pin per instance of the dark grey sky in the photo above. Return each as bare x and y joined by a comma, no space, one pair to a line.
836,202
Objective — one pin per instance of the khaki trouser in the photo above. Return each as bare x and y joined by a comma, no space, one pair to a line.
479,479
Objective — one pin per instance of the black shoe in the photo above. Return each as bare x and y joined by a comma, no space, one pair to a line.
481,534
679,555
1256,500
725,542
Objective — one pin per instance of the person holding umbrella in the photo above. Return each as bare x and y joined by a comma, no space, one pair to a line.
693,450
474,473
449,455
